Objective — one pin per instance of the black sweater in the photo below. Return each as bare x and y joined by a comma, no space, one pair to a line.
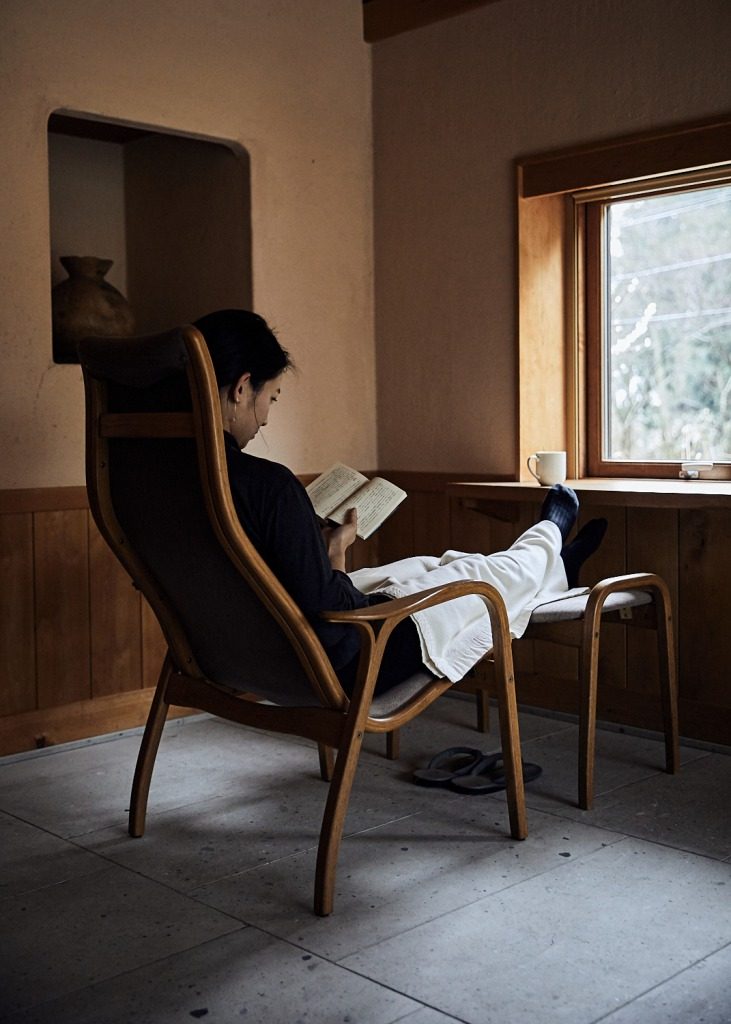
277,514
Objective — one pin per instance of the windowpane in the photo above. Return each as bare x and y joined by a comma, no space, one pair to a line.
667,327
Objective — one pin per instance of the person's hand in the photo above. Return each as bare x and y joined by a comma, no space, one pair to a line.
339,538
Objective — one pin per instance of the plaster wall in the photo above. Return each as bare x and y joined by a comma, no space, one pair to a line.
454,104
92,180
293,91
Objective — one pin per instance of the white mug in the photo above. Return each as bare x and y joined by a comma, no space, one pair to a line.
550,467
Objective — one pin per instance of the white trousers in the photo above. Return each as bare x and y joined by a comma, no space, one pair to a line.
456,634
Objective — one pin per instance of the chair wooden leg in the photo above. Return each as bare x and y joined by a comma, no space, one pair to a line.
333,820
588,682
327,761
393,744
148,752
668,680
510,740
482,700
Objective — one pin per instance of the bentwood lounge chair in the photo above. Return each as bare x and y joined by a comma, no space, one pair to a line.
238,645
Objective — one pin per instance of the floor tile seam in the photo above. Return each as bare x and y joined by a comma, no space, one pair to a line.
486,896
25,893
692,755
666,845
46,830
405,995
152,814
302,851
604,725
573,807
382,824
186,895
607,1017
33,1007
651,775
548,735
429,1006
428,921
358,974
563,815
625,833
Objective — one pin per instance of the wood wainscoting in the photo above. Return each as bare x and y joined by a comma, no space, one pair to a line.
80,649
677,529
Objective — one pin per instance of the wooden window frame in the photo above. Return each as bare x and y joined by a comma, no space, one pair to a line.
557,272
590,238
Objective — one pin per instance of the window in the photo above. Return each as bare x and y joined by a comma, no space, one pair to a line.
659,329
624,298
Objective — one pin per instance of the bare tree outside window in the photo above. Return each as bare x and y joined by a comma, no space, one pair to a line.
667,317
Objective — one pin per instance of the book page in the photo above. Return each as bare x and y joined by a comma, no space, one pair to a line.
332,487
374,502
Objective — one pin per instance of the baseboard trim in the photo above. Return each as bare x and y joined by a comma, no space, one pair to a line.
47,727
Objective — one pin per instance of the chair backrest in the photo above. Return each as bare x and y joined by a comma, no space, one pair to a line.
158,490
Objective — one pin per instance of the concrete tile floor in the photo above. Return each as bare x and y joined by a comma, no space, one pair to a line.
620,915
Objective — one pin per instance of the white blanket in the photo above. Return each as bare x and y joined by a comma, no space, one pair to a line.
456,634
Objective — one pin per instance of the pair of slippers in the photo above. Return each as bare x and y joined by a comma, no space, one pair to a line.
468,770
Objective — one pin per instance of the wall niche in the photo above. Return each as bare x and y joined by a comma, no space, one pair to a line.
172,212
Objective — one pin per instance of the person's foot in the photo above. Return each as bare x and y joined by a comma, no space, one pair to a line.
561,506
583,546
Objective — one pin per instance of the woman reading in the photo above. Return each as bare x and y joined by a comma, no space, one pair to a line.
309,559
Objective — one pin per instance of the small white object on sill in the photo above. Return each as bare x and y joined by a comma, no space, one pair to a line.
692,470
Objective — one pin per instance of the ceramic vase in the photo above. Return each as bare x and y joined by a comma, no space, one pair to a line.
86,305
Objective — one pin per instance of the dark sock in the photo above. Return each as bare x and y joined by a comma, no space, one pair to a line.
561,506
584,544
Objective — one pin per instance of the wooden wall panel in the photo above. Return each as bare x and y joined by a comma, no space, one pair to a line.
17,626
420,526
704,610
680,532
72,627
432,534
652,546
363,553
555,661
49,726
609,560
115,622
62,607
482,529
395,539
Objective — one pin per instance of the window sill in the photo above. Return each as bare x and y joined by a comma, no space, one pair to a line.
604,491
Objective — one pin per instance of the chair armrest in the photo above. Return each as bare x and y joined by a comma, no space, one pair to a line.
402,607
628,581
615,584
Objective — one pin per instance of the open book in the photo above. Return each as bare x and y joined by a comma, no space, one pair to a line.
341,488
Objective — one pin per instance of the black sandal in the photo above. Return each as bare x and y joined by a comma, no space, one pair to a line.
450,764
488,776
